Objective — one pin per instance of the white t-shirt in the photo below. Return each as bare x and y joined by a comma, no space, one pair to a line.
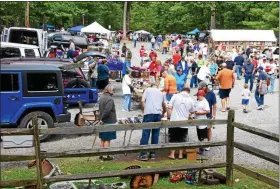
153,40
200,106
272,67
182,105
203,72
246,93
204,50
178,41
126,81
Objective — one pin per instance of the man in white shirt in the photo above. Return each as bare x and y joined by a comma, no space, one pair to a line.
203,72
271,75
126,89
154,107
180,107
201,110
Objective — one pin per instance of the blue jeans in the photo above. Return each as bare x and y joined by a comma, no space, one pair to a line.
153,46
272,81
168,97
238,71
251,78
146,132
134,43
164,50
180,87
194,81
127,102
259,98
93,82
159,45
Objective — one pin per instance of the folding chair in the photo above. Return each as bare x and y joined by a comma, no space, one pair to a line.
82,119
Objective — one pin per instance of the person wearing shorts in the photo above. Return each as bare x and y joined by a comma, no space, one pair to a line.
226,79
201,110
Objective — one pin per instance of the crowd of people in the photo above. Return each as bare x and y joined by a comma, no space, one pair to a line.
171,82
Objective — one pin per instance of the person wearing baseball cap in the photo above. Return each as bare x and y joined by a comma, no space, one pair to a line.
226,79
180,78
261,88
212,101
201,110
153,54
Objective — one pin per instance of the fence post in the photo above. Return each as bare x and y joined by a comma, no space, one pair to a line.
230,155
37,153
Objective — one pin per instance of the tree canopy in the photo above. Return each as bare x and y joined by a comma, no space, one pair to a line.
156,17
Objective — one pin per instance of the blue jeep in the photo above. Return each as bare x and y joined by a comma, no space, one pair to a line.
29,90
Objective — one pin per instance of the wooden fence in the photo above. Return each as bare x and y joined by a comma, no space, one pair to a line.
229,143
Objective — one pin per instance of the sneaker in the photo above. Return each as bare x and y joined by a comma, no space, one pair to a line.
143,158
259,108
123,110
244,111
207,149
153,156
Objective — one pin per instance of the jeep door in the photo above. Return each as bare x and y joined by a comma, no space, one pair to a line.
11,96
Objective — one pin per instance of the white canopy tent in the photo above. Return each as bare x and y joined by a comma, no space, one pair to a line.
142,31
243,35
95,28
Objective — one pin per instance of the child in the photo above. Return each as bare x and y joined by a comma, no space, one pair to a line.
246,93
124,49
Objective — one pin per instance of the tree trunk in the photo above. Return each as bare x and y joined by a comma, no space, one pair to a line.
222,21
213,17
124,19
27,24
128,15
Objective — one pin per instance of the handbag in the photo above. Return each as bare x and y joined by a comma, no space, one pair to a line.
263,89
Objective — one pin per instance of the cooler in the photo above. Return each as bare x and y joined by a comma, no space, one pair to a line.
20,141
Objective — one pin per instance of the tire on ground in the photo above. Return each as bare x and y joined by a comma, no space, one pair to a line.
43,115
73,83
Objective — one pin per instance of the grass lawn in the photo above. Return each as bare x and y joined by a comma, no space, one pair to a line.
81,165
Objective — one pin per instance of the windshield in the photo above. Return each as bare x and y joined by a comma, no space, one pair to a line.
201,35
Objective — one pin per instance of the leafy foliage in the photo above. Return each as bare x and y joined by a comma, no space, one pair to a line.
157,17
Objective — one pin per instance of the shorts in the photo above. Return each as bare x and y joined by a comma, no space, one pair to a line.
245,101
177,134
202,133
224,93
101,84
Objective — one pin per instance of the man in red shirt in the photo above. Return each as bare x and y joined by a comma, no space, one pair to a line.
153,67
142,51
152,54
176,58
255,62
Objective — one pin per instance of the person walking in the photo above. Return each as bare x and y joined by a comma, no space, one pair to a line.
226,79
180,78
212,101
201,110
108,117
261,88
184,65
180,107
248,71
203,72
246,93
271,75
194,71
93,71
239,61
127,89
153,42
170,86
154,108
153,54
176,58
134,40
102,75
165,45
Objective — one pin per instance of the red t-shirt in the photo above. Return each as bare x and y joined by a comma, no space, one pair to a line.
153,67
176,58
142,52
255,62
152,54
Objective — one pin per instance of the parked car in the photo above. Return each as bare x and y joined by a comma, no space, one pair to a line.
74,81
275,51
62,39
32,90
10,50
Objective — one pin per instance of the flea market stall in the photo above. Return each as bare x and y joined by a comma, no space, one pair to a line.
258,39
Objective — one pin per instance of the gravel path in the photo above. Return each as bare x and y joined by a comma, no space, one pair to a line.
266,120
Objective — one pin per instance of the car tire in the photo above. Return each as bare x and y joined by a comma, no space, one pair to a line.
73,84
43,116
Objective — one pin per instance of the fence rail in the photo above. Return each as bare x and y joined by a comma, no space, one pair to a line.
229,164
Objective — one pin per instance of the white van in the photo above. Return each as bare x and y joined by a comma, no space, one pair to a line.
28,36
11,50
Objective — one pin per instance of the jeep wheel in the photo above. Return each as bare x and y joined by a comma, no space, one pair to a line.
44,121
73,83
